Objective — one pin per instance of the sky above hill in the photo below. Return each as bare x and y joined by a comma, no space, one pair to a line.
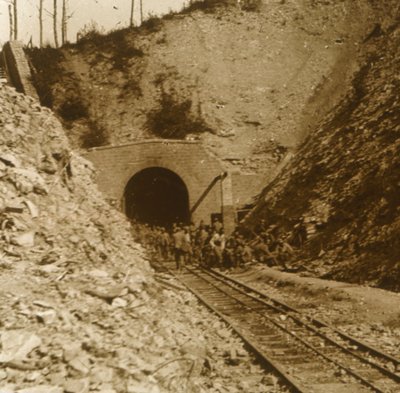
110,14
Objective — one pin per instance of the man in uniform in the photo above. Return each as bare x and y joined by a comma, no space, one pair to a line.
179,239
217,243
165,244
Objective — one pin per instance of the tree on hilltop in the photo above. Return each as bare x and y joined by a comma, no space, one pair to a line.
13,18
131,22
15,5
55,23
64,22
40,23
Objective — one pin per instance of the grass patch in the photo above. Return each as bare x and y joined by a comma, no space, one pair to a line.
174,119
95,136
73,109
131,86
252,5
46,64
115,43
152,24
208,6
122,53
91,32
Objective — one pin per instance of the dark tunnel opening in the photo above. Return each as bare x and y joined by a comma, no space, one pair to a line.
157,196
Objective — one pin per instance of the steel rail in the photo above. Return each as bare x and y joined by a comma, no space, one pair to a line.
294,315
265,358
318,322
348,370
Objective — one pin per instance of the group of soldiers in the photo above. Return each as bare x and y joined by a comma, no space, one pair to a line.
208,246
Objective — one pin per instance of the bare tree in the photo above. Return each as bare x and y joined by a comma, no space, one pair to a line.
15,5
64,22
132,22
11,20
55,23
40,23
141,11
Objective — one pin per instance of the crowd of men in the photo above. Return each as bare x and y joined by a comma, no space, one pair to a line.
208,246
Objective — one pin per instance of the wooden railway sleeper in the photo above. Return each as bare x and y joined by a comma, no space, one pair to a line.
354,374
353,353
363,381
294,386
294,315
318,323
328,359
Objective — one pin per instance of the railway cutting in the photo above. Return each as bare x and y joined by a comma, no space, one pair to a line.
253,142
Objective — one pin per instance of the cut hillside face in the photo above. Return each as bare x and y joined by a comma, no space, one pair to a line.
339,200
250,82
80,308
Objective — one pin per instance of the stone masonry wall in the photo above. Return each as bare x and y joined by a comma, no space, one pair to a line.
116,165
18,69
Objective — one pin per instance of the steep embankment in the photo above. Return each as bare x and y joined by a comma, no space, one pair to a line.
80,308
342,192
251,84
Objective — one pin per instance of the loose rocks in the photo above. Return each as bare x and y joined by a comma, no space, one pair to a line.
80,309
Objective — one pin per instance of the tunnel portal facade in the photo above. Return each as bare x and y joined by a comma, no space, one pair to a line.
160,181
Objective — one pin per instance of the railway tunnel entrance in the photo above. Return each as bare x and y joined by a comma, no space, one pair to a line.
157,196
162,181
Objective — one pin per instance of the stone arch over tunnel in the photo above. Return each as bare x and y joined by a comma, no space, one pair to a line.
205,182
157,196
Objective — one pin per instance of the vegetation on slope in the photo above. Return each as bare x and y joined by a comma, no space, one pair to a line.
339,199
256,79
172,119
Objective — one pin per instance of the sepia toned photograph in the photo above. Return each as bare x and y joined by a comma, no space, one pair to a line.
199,196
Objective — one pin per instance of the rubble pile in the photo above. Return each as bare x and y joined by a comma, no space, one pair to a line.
80,309
339,198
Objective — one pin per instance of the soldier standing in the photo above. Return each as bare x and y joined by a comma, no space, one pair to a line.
179,238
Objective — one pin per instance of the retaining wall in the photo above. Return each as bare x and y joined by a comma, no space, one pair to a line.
17,68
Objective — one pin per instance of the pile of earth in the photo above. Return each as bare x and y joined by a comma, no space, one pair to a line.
338,200
80,308
250,82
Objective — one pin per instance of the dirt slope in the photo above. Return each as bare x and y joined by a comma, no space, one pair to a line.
341,194
250,84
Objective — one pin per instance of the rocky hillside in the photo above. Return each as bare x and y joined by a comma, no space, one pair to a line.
339,199
251,81
80,308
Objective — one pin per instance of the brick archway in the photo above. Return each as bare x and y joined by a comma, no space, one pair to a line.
210,188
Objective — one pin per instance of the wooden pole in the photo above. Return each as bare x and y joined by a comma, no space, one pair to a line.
141,11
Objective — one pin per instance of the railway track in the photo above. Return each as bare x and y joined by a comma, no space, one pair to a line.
308,354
